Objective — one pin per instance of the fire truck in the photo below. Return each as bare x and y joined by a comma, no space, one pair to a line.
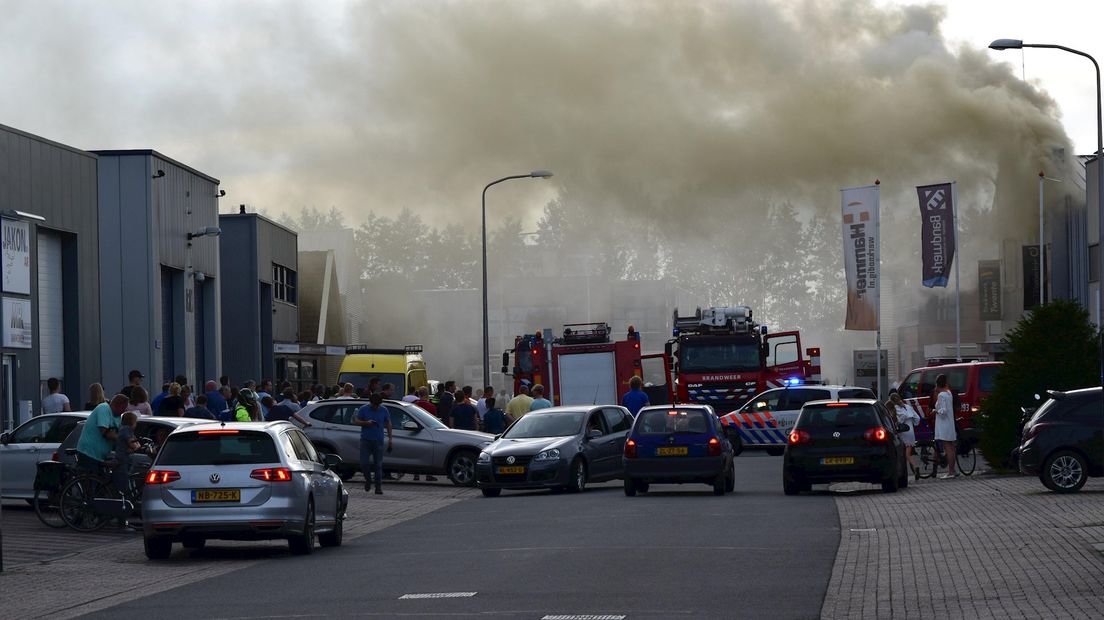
721,357
584,366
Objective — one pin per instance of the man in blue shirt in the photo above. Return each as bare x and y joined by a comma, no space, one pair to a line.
216,404
635,398
539,401
372,419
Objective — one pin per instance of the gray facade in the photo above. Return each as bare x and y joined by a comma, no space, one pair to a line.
57,183
159,289
260,294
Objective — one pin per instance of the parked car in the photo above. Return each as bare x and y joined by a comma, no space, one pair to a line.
677,444
556,448
242,481
35,440
1063,442
422,444
844,440
970,382
765,420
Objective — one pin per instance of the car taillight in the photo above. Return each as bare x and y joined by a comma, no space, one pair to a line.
877,433
162,476
630,449
54,456
714,446
272,474
799,436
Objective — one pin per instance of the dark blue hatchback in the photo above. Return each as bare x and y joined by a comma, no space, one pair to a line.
674,444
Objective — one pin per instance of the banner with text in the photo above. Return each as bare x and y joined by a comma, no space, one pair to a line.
989,290
937,233
860,256
1032,275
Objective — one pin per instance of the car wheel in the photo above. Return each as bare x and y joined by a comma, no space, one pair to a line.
158,547
303,544
346,474
194,543
577,483
719,483
491,492
730,481
630,487
790,486
641,487
889,485
461,468
776,451
334,537
1064,472
737,444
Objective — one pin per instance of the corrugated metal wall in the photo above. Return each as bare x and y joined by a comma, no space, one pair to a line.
59,183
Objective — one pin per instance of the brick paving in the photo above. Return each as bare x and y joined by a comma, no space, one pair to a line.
972,547
75,574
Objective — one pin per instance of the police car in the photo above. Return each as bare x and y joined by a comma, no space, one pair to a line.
764,421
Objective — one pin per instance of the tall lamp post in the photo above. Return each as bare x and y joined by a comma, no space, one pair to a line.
1015,44
536,174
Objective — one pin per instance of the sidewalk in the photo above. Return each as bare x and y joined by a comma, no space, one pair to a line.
113,569
976,547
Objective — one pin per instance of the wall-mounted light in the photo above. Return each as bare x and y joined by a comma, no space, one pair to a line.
220,193
200,276
23,215
206,231
160,173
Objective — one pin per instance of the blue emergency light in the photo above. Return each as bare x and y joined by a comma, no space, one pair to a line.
792,381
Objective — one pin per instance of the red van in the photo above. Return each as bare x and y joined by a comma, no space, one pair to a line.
971,382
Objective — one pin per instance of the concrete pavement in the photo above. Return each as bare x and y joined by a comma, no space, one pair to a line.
976,547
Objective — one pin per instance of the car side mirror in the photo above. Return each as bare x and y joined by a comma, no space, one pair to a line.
331,460
903,428
498,436
5,438
593,434
411,426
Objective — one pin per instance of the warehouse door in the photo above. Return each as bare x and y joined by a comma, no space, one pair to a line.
51,325
168,333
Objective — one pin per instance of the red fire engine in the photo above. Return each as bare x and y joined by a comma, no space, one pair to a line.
582,367
721,357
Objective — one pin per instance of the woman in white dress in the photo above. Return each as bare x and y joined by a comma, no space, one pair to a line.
906,415
944,424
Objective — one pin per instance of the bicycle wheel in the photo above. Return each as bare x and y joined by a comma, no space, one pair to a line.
76,505
966,458
928,460
46,507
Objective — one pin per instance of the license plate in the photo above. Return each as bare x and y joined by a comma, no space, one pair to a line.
517,469
216,495
838,460
676,451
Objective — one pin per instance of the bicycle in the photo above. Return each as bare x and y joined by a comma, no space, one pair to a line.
931,457
50,477
90,500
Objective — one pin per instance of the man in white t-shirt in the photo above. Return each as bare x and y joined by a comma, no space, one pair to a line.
56,402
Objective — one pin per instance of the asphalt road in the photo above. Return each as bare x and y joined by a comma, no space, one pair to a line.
676,552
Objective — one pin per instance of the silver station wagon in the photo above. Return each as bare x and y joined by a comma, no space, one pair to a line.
242,481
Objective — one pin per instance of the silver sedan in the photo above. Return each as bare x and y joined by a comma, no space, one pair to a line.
422,444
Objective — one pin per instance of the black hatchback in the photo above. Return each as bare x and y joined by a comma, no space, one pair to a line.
842,441
1063,442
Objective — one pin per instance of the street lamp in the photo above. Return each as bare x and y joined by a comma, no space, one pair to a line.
1015,44
536,174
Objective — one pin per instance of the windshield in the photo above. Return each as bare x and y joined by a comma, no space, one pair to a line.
232,448
833,416
672,421
546,425
718,356
360,379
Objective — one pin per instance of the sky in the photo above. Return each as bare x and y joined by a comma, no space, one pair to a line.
386,105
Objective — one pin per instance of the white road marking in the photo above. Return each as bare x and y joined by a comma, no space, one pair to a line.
585,617
438,595
865,529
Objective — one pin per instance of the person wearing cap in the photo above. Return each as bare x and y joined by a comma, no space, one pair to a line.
519,405
135,377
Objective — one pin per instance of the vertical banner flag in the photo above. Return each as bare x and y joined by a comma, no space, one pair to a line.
989,290
937,233
1032,275
860,256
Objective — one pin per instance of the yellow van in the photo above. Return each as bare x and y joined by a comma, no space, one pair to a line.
402,367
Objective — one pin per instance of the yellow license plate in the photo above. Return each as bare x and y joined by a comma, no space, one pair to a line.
838,460
677,451
216,495
517,469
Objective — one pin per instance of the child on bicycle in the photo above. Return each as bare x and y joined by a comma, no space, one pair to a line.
125,445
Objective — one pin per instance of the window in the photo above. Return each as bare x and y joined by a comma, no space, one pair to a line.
669,421
304,449
764,402
345,415
797,398
34,431
399,418
595,422
616,420
61,429
707,356
1087,411
241,448
856,393
782,350
910,387
306,370
987,376
837,417
283,284
322,414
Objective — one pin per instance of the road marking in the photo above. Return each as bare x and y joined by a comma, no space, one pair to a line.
585,617
438,595
865,529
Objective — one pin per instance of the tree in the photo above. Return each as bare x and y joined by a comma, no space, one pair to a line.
1053,348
